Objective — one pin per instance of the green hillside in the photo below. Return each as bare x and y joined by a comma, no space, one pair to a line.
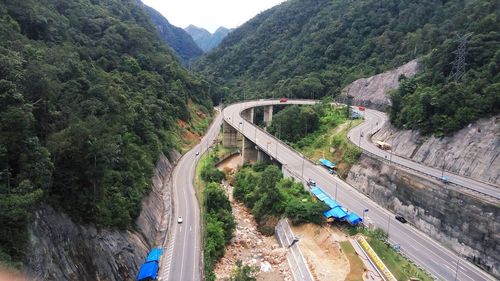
178,39
89,98
313,48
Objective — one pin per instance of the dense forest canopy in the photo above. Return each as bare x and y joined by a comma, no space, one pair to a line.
89,98
313,48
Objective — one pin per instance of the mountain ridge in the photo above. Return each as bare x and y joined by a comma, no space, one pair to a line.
175,37
206,40
314,48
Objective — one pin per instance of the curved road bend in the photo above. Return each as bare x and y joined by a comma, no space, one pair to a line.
374,120
439,261
184,244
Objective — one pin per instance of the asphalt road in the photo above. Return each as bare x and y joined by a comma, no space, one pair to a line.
439,261
183,249
374,120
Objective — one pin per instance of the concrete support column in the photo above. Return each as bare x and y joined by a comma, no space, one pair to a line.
268,114
248,151
261,156
229,135
247,114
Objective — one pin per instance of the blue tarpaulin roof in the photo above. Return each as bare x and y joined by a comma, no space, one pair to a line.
336,212
148,271
154,255
327,163
323,197
353,219
317,190
331,203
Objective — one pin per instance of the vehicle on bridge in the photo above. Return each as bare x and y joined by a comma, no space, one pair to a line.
283,100
149,269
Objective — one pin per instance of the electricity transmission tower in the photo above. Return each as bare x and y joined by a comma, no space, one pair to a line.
458,65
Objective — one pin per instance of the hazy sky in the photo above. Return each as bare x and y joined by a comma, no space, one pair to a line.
210,14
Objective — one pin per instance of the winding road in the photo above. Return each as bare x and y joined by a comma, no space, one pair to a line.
183,251
424,251
374,120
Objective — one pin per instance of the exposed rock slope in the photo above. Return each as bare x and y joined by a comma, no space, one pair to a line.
63,250
459,221
472,152
373,91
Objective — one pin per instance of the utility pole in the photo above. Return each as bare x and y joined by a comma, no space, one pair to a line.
302,166
458,65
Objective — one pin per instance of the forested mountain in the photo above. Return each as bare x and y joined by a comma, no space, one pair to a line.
313,48
89,98
204,39
178,39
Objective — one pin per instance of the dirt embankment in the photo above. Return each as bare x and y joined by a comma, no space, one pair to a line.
322,251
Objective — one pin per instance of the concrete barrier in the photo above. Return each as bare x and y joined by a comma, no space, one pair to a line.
376,260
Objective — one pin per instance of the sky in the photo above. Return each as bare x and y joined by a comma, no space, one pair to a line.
210,14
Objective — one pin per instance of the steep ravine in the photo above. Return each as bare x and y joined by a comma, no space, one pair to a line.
63,250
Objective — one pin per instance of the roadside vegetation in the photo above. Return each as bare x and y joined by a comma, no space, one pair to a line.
356,265
189,133
243,272
218,220
269,196
90,97
318,131
401,267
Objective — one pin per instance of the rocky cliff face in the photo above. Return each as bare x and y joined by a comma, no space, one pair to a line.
373,91
463,223
63,250
472,152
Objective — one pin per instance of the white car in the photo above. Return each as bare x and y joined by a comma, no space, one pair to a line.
179,219
197,153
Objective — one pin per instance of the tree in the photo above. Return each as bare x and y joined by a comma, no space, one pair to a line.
243,272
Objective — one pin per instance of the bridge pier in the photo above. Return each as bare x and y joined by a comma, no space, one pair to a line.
248,114
248,151
230,135
268,114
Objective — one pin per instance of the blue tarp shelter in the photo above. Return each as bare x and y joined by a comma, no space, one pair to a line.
353,219
331,203
148,271
327,163
336,212
317,190
154,255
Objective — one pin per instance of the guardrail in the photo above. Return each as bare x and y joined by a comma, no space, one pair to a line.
380,158
377,157
376,260
363,151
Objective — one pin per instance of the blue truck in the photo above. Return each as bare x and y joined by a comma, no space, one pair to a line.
149,269
331,166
